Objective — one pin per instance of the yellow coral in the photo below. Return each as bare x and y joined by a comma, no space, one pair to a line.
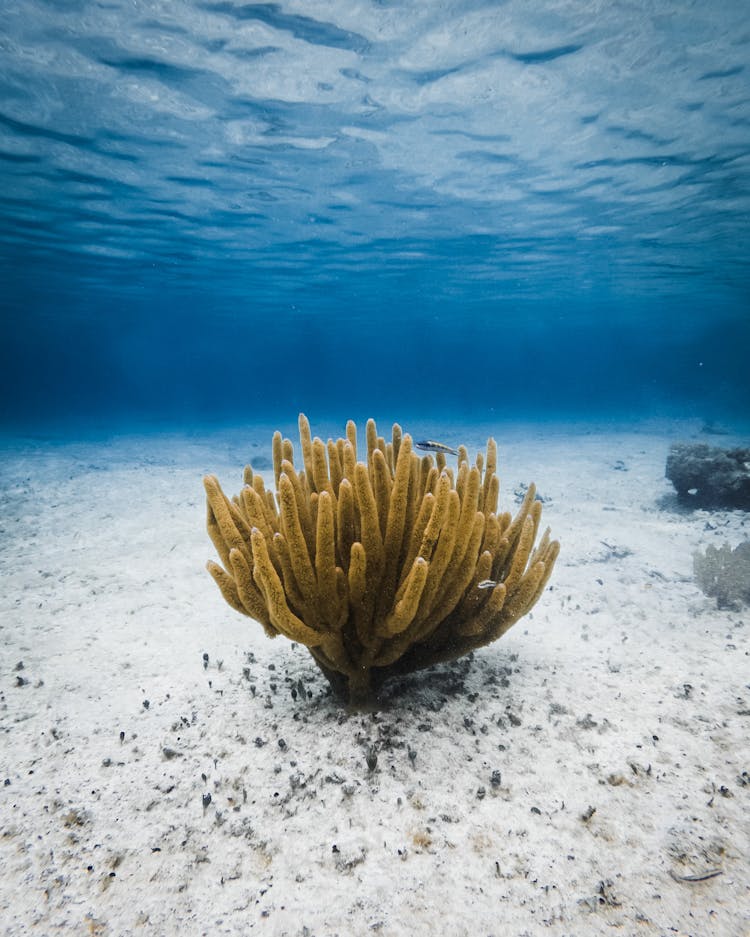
379,567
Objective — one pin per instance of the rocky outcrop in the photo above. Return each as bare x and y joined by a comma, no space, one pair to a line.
708,477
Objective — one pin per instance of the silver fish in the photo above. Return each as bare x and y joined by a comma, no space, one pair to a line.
486,584
429,445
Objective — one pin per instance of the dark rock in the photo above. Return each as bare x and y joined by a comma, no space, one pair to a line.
708,477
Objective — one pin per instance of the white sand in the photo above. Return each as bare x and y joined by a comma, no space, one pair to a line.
616,716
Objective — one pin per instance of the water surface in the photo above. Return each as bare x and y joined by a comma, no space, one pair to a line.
213,210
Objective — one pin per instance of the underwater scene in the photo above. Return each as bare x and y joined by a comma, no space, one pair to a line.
375,467
228,210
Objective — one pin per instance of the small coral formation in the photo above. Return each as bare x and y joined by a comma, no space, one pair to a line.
710,477
724,574
380,567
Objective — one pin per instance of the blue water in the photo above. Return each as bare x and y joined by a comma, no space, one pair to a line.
220,210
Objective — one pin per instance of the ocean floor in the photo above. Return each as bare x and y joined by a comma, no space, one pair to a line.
167,769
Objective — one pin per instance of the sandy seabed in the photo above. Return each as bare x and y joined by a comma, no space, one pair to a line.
167,769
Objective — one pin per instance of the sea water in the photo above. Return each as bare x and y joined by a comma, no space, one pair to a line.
216,210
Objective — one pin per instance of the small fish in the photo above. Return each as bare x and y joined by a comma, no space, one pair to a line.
700,877
429,445
486,584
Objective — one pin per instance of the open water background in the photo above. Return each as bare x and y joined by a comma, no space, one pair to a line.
218,211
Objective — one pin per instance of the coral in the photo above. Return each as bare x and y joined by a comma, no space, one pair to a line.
379,568
724,574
